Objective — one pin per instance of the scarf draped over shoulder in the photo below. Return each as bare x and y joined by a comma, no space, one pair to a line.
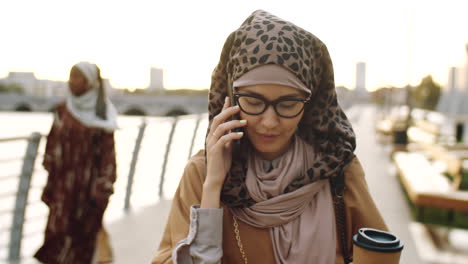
83,107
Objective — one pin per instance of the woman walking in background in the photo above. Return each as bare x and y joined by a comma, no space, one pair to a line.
288,188
80,160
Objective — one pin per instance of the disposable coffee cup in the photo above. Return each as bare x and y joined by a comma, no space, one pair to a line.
373,246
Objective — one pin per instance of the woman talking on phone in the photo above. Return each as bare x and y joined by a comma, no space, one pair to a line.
278,181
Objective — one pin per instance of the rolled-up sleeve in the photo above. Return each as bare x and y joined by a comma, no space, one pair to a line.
203,245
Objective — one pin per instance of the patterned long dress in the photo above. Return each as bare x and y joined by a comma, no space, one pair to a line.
82,169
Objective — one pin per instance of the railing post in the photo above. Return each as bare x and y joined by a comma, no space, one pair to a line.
197,124
168,148
22,197
133,163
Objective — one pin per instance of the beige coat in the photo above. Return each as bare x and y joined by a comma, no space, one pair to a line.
360,212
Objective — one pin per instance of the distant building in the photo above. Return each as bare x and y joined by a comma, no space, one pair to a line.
26,80
448,100
51,88
454,99
109,89
452,79
345,96
465,72
33,86
156,80
361,78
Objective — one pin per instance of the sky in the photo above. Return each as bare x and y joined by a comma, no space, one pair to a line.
401,41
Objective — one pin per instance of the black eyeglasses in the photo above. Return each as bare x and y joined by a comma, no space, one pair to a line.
256,105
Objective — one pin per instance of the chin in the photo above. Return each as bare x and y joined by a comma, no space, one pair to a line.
267,151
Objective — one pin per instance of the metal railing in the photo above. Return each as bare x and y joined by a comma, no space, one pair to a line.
131,173
16,230
21,199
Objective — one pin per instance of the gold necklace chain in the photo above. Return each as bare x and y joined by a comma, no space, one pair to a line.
239,242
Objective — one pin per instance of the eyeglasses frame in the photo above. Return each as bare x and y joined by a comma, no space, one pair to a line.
273,103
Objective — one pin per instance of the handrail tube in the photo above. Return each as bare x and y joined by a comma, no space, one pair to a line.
22,196
166,155
133,163
195,130
19,138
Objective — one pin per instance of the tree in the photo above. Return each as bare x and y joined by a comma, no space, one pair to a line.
11,88
426,95
378,96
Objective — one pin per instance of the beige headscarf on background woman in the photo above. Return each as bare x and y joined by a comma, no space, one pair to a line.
93,108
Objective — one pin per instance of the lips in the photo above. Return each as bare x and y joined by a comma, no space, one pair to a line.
268,137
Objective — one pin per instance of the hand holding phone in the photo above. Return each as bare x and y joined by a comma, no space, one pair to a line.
221,148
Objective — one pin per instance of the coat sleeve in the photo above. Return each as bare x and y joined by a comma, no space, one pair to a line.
188,193
102,186
51,152
108,165
107,170
361,210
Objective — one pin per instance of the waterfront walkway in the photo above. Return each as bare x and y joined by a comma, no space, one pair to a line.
136,236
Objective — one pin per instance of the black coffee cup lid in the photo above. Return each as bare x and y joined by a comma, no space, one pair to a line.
377,240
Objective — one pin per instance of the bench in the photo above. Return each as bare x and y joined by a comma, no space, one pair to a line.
389,121
451,160
426,126
384,127
432,196
421,127
423,131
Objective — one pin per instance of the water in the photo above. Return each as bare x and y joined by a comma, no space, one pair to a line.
146,179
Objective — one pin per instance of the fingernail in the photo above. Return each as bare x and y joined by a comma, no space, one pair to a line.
240,133
243,121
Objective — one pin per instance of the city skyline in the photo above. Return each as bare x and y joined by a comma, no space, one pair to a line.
400,42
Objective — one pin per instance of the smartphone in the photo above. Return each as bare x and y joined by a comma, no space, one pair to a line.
233,103
236,143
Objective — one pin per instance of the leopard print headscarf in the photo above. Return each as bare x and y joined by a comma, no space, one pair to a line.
266,39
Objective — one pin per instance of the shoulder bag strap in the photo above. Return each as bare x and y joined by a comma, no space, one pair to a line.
337,186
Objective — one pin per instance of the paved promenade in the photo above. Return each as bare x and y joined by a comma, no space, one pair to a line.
382,181
136,236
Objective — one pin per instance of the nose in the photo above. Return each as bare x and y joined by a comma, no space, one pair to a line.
269,118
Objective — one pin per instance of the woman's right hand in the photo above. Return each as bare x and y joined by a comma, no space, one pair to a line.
219,153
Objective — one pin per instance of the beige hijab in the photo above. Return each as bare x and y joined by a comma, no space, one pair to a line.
264,39
83,107
302,221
